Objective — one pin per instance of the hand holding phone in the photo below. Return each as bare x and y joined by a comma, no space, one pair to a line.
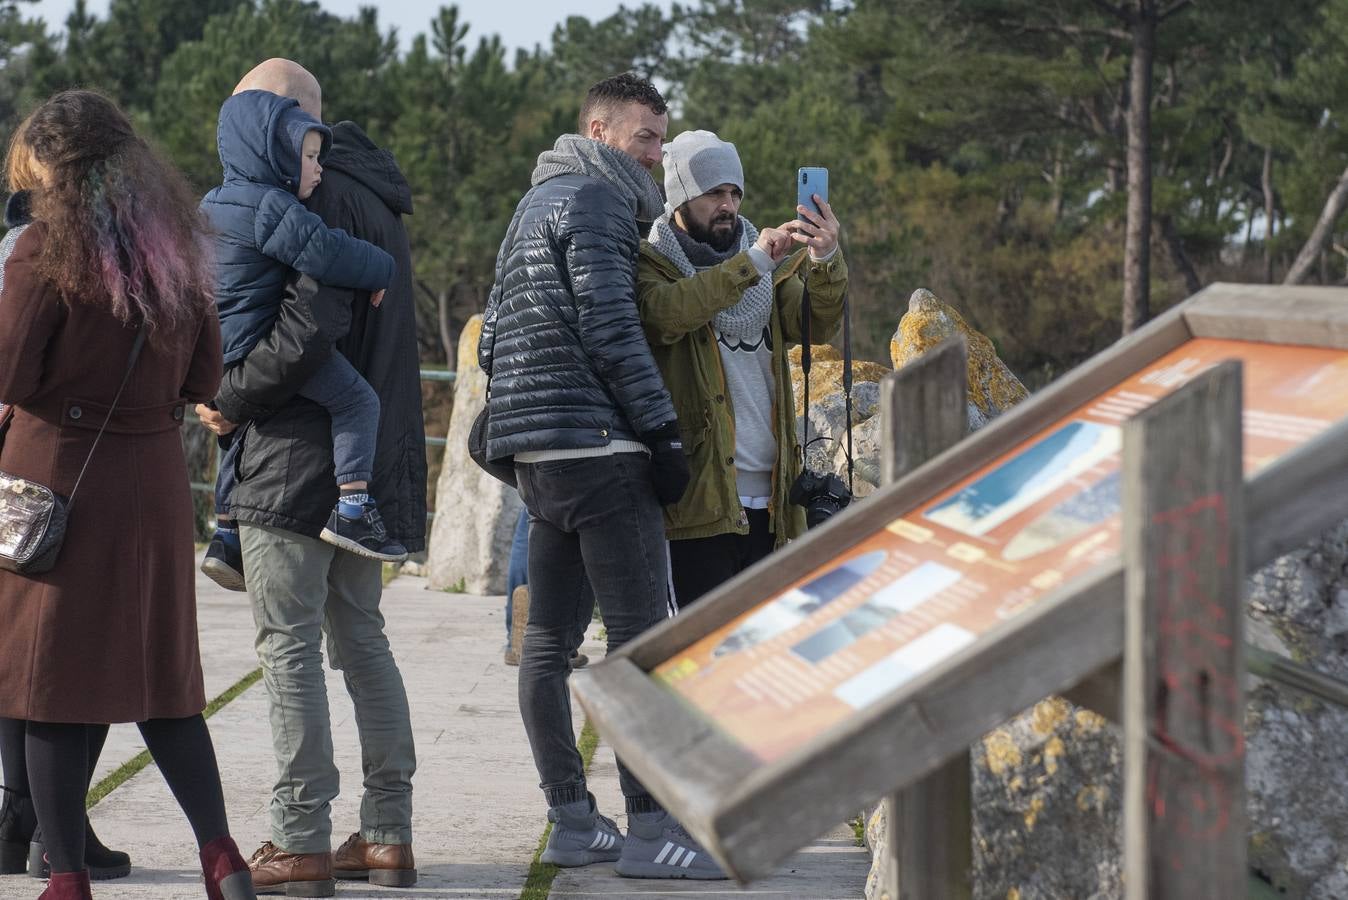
811,180
815,226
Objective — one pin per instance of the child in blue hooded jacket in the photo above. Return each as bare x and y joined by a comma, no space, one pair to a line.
272,155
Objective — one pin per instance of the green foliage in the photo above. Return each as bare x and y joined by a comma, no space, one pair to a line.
976,147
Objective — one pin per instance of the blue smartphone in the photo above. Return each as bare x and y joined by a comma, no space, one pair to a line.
811,180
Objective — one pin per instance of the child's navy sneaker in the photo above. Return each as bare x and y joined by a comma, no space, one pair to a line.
360,530
224,561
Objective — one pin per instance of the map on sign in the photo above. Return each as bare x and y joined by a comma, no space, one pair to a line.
918,591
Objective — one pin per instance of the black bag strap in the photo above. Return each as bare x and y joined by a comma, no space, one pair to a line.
136,346
805,373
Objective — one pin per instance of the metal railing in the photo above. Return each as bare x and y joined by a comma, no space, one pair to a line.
1276,667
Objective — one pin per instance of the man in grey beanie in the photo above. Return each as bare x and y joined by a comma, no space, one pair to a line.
720,300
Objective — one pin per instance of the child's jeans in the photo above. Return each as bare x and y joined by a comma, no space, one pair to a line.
354,407
224,476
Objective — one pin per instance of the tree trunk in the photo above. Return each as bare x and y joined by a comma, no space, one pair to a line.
1266,179
1249,232
1059,173
1324,227
1170,234
442,314
1137,238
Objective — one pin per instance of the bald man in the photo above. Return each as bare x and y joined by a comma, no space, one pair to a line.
298,584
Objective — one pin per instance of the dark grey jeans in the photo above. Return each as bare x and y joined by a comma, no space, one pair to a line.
597,518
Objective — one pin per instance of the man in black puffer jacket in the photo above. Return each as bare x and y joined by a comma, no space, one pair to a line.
577,401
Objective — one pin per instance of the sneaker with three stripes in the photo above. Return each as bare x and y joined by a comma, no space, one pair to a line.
659,847
581,836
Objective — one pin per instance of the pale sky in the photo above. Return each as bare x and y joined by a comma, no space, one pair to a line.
520,24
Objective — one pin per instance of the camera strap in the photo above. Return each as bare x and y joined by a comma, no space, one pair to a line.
805,372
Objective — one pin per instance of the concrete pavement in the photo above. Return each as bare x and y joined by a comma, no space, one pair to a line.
479,813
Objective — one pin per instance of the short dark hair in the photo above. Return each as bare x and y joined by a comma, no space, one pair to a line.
618,90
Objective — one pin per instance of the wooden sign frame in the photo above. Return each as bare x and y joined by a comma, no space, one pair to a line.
751,815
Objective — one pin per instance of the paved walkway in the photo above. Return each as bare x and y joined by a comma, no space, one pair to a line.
479,814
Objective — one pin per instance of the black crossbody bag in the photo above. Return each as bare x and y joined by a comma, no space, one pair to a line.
33,517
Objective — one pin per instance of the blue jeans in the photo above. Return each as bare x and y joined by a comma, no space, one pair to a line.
595,518
517,571
354,407
224,476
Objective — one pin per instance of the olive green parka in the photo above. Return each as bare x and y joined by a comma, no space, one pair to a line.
677,312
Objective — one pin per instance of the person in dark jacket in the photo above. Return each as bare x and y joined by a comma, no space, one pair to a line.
271,151
302,589
576,399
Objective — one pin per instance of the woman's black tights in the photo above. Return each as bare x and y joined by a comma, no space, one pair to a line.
181,748
14,758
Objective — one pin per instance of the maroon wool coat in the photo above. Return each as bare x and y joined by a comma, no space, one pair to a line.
109,634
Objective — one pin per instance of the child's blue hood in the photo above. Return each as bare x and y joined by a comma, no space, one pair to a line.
260,137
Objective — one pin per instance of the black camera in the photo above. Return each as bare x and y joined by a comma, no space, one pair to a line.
822,495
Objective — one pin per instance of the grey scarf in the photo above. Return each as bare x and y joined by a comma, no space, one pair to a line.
745,320
575,155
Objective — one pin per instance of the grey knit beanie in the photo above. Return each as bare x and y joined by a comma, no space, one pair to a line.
697,161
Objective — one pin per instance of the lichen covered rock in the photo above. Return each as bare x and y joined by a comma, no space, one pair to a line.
1297,794
1046,798
993,388
826,374
470,537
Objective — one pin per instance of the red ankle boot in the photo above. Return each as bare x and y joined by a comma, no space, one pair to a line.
227,875
68,886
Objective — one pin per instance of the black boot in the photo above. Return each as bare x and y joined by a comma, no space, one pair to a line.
17,823
103,864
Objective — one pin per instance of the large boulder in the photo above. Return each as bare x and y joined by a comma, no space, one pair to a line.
993,388
866,438
1047,806
475,513
826,374
1294,770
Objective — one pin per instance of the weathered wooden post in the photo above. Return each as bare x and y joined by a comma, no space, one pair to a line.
930,842
1184,705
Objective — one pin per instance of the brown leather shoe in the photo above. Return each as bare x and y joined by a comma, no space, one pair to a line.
387,865
292,874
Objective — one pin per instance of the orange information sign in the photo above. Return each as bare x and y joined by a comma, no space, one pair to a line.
926,586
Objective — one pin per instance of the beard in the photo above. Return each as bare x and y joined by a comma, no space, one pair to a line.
720,233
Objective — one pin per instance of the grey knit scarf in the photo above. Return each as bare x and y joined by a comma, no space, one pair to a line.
576,155
745,320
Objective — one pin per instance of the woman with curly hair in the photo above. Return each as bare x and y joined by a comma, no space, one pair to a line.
21,845
116,253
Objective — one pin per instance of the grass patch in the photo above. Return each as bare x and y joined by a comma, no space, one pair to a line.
129,769
391,571
458,587
539,883
859,830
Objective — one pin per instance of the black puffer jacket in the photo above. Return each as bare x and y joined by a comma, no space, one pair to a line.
561,339
285,466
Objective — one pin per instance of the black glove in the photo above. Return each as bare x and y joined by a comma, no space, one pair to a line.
669,467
